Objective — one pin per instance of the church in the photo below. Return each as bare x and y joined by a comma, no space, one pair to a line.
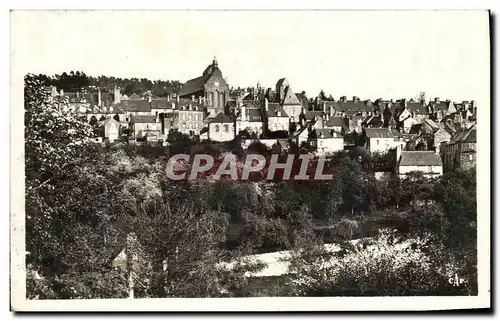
211,86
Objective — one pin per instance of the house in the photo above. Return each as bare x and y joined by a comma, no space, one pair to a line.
133,107
111,129
419,111
288,100
276,119
140,125
249,119
427,162
190,118
460,152
405,118
162,106
338,124
302,97
326,141
300,136
357,124
430,134
221,128
211,86
440,109
378,139
354,106
372,121
315,118
107,130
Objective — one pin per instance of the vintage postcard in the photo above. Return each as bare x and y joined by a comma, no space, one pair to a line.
176,160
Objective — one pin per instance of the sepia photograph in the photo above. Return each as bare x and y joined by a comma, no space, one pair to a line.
177,160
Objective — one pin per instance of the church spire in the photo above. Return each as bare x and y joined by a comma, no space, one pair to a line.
214,63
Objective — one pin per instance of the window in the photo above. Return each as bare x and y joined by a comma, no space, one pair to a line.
226,128
378,142
190,117
217,128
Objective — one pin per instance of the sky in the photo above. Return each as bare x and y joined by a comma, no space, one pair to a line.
369,54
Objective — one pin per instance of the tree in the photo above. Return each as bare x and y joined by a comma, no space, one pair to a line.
93,121
322,95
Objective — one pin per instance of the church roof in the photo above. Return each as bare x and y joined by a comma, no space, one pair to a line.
194,85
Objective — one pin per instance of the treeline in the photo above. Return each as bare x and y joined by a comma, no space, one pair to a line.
78,81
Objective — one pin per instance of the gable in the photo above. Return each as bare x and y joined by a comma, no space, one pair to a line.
290,97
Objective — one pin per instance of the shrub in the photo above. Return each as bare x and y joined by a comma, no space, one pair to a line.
384,266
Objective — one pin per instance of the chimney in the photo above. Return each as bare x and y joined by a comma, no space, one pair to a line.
243,113
99,97
355,98
266,104
116,95
436,100
398,153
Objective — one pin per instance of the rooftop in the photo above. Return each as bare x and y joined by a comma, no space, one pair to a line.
378,133
420,158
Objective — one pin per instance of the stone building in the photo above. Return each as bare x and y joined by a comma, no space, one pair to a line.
460,152
211,86
221,128
427,162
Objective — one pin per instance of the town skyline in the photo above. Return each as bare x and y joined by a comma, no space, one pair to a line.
404,66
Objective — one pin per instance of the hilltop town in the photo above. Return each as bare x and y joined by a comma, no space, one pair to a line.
428,136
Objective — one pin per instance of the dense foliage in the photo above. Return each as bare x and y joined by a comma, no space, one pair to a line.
82,201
